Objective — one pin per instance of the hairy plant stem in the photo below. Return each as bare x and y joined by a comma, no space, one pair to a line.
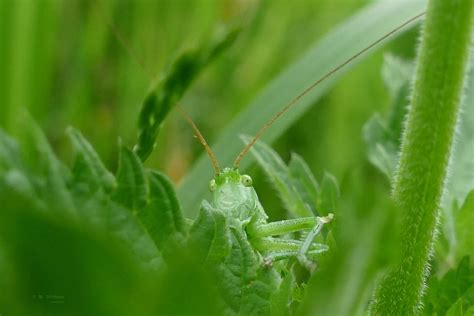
426,148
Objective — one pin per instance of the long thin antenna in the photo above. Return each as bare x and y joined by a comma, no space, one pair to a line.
128,47
294,101
202,140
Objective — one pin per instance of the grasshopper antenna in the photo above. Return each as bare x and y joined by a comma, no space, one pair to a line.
123,41
202,140
295,100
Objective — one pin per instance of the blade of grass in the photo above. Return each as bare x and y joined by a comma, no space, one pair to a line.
344,41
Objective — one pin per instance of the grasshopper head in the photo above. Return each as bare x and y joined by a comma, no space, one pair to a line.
233,192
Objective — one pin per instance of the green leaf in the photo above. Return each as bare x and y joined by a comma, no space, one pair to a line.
396,74
10,156
304,180
382,135
282,299
173,84
52,187
464,223
150,196
456,309
187,287
88,273
382,151
279,175
17,181
455,285
347,39
329,199
168,188
103,214
132,186
209,236
246,287
88,168
162,217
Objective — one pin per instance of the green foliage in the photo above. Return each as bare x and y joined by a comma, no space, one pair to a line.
162,98
453,294
133,221
298,189
88,168
425,153
383,136
209,237
64,252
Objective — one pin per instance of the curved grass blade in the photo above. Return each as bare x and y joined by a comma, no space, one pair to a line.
347,39
159,101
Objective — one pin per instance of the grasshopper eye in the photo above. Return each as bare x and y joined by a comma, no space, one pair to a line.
246,180
212,185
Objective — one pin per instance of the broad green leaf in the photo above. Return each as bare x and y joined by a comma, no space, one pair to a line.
246,287
151,196
187,287
87,273
279,175
99,212
344,41
173,84
88,168
209,236
162,216
166,184
257,295
132,186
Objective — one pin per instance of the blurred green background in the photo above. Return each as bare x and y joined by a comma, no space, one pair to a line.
63,62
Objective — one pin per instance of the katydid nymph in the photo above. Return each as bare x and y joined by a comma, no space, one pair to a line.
232,192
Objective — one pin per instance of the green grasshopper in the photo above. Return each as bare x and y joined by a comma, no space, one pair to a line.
234,195
232,192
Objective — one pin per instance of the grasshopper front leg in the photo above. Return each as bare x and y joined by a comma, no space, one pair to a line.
302,255
277,249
